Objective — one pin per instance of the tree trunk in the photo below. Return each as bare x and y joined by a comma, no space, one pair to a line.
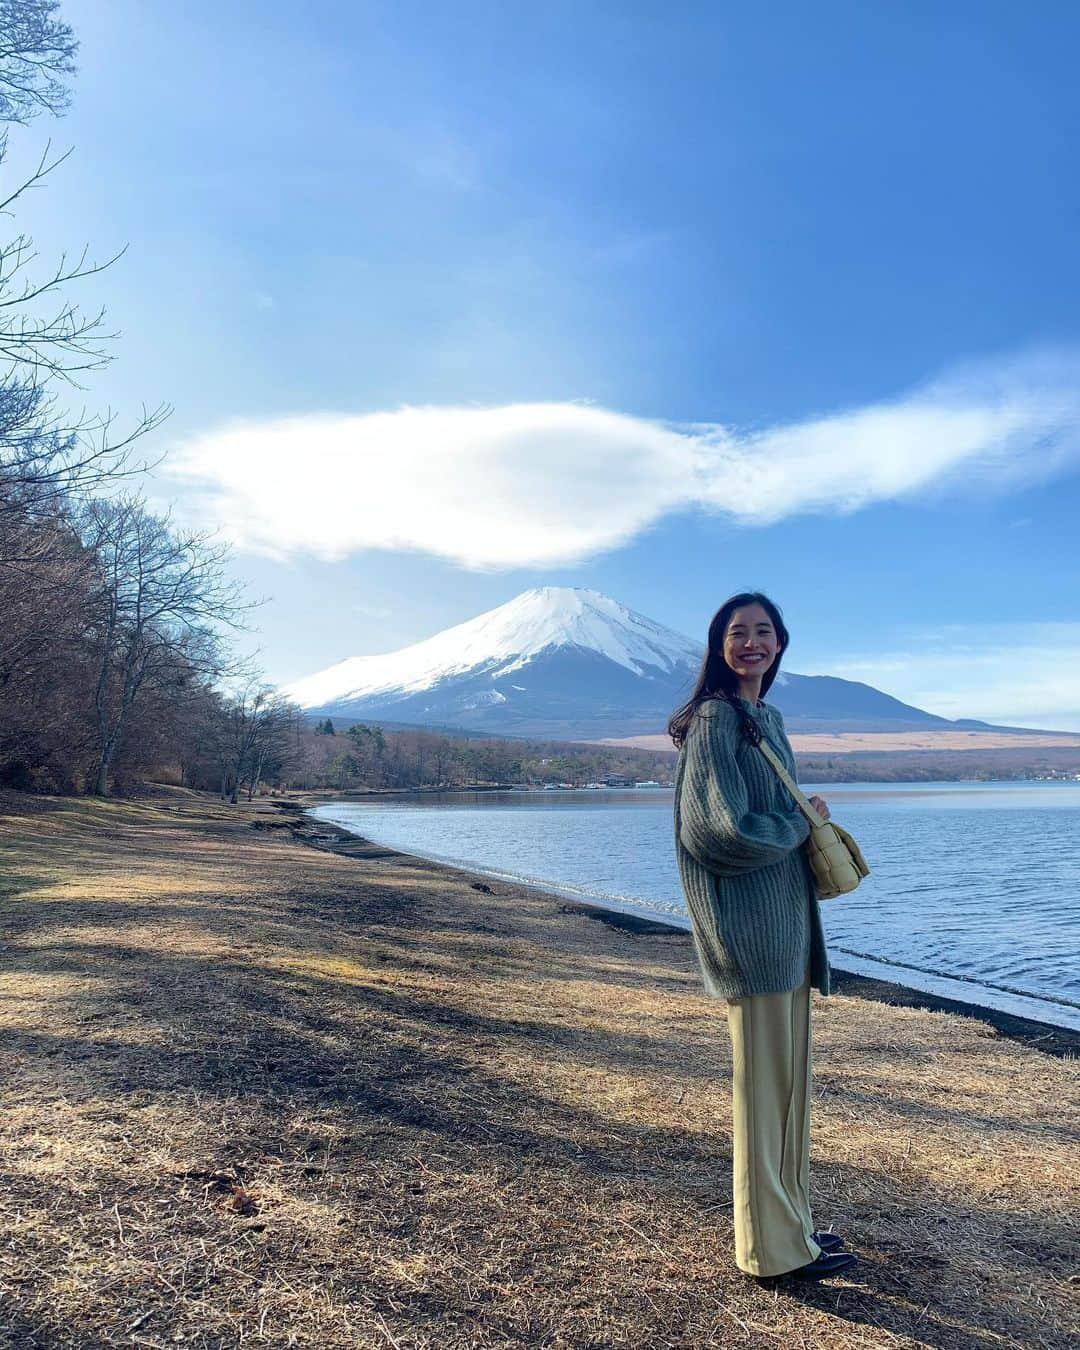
101,783
254,780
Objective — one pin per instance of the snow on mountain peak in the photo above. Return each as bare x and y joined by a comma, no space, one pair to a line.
556,616
502,640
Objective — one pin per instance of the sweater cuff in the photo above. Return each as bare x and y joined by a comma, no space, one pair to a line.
803,821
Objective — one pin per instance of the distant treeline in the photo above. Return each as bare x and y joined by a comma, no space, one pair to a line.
364,755
935,766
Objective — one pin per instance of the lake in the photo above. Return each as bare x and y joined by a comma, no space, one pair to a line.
974,891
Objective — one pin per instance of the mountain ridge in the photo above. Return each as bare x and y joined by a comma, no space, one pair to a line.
572,663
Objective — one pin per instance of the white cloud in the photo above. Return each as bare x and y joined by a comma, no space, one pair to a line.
534,484
1013,677
547,484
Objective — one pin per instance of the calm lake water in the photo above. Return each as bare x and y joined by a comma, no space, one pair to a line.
974,891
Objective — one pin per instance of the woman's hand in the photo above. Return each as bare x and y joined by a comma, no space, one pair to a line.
821,806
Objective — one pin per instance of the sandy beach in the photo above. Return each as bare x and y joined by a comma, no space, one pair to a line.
266,1084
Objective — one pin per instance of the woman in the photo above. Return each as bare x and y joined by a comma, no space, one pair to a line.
757,931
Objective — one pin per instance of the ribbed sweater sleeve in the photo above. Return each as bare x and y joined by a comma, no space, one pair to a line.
717,827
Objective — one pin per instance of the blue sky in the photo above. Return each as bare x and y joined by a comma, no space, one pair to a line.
663,299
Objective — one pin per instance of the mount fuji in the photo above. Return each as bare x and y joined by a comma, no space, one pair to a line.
573,664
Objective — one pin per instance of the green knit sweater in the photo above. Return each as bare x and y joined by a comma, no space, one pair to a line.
748,884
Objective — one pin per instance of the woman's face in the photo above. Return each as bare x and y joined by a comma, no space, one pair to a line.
750,641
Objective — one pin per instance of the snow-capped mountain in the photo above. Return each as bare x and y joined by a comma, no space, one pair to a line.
552,661
566,662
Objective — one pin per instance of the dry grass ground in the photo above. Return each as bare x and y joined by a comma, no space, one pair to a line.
261,1094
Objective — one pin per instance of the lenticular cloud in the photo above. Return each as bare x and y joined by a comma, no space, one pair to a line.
546,484
529,483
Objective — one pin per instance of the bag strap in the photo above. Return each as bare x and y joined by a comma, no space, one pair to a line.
805,804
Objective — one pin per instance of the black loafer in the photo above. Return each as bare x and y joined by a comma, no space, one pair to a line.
827,1264
828,1242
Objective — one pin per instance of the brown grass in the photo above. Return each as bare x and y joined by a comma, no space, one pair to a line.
260,1094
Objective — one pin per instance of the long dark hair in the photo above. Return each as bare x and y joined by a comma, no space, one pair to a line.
717,679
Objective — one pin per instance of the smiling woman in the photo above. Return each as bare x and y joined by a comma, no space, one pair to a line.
757,930
751,643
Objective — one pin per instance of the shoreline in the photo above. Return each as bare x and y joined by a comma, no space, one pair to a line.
1044,1036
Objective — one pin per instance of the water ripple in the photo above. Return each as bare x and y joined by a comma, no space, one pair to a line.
971,882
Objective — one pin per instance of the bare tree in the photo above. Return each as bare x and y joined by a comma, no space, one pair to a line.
110,620
63,340
160,604
255,727
270,751
44,335
44,453
37,56
46,459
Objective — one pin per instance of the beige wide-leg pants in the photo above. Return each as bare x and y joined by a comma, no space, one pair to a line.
770,1041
